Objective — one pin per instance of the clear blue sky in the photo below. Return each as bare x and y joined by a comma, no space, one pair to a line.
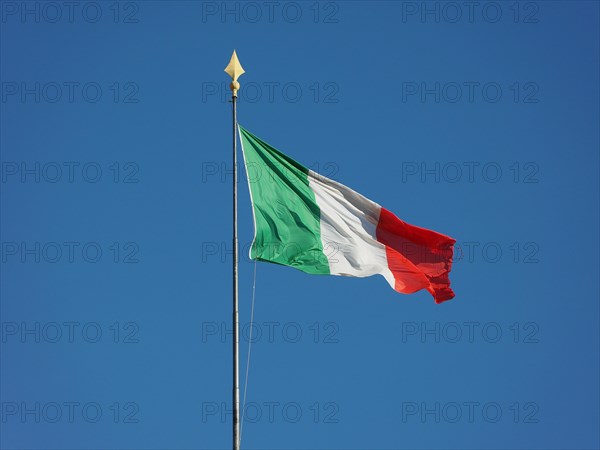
480,122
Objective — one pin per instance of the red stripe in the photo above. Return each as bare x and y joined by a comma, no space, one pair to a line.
418,258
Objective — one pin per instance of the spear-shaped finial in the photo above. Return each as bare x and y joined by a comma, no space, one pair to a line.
235,70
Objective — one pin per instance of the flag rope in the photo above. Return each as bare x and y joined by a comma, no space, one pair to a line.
249,350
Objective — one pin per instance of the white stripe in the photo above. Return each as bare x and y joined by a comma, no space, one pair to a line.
348,230
249,190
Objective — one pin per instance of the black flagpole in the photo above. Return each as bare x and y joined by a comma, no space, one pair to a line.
236,351
234,69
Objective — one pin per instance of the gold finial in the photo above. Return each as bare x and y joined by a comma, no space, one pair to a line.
235,70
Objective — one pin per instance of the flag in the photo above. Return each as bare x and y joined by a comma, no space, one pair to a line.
317,225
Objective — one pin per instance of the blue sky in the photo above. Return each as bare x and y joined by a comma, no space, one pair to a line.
479,121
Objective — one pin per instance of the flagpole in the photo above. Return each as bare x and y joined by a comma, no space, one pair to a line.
234,69
236,350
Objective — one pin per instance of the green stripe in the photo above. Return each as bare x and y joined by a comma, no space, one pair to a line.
286,214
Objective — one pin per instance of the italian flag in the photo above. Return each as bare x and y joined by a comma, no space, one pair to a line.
317,225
